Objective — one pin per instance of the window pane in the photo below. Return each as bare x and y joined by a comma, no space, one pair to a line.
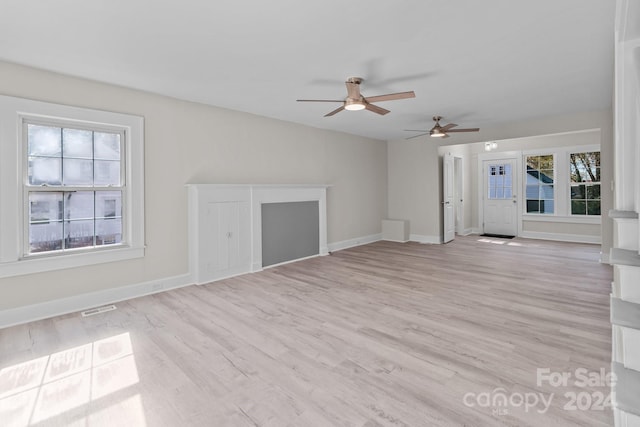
578,207
108,204
532,192
108,231
546,192
77,143
534,174
78,205
593,192
107,172
78,234
499,193
533,206
45,170
44,140
532,162
45,225
45,207
593,207
45,237
107,146
546,176
508,193
546,206
578,192
77,172
546,162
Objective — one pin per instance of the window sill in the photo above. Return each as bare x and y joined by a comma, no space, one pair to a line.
60,262
563,219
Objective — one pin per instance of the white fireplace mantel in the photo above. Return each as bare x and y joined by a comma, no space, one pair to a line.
249,198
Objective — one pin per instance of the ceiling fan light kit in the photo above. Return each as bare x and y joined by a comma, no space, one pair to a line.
355,101
354,105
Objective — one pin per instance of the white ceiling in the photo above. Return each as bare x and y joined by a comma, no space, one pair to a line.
477,63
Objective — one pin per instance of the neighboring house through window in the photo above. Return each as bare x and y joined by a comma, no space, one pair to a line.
71,186
71,176
539,184
563,182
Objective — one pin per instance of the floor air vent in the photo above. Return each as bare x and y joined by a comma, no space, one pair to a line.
98,310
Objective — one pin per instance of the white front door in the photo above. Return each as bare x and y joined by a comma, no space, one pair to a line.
500,203
448,202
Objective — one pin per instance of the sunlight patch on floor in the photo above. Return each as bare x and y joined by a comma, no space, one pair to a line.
50,386
495,242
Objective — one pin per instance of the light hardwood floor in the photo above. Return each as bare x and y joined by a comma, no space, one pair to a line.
386,334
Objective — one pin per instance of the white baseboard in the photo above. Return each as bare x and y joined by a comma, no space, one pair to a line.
31,313
576,238
476,230
433,240
350,243
466,232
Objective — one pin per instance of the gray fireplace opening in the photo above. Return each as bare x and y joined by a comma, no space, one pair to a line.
290,231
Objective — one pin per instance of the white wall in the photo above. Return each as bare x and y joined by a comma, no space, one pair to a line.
414,187
193,143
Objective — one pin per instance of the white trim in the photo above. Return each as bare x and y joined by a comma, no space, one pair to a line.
68,260
358,241
12,112
467,232
291,261
576,219
517,175
58,307
561,237
420,238
604,258
476,230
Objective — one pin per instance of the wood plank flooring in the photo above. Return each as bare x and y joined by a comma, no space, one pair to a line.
385,334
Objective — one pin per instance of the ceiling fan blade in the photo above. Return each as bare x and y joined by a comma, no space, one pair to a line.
415,136
337,110
391,96
464,130
320,100
447,127
376,109
415,130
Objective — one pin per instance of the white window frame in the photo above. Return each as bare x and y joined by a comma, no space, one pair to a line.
569,181
562,186
14,208
523,178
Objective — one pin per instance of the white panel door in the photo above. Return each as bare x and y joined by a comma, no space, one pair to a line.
448,202
226,222
500,202
226,239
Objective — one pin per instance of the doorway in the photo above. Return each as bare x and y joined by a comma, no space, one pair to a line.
500,202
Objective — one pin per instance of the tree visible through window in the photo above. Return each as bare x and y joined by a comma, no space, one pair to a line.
585,183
